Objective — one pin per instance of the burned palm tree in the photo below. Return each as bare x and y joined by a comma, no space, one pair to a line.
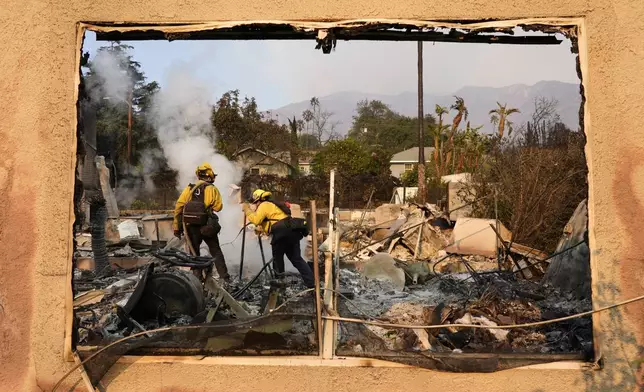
461,114
438,134
499,117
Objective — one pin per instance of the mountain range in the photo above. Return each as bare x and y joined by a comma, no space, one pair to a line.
479,101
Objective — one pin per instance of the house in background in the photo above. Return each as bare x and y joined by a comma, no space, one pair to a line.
304,163
258,162
404,161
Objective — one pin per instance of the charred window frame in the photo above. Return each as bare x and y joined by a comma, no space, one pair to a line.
326,36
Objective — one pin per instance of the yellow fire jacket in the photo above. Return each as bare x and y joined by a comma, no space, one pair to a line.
266,215
212,200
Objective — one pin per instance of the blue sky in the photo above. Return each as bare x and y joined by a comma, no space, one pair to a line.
277,73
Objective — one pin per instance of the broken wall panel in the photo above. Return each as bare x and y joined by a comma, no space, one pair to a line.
473,236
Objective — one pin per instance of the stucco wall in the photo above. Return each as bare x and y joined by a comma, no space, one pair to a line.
38,66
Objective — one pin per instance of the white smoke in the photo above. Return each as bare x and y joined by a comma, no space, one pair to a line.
112,81
181,115
112,85
138,182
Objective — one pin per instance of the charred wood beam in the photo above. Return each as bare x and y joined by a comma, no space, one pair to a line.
289,33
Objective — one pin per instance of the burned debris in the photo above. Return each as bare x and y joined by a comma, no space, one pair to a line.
402,267
381,270
437,286
406,269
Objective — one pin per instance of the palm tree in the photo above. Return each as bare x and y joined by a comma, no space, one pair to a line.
461,114
472,141
499,117
438,145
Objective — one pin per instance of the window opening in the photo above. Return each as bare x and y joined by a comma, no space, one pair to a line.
500,208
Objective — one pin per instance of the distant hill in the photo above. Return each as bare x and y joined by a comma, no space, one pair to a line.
479,101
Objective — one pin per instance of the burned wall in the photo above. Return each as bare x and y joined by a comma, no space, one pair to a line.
37,150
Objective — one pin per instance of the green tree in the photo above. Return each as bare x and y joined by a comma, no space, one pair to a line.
238,124
410,178
438,134
470,146
308,142
122,105
377,125
348,156
499,117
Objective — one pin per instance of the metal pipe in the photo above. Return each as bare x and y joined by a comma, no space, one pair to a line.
271,273
243,248
499,239
243,289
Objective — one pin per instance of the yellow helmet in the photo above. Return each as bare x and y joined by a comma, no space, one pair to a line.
260,194
205,170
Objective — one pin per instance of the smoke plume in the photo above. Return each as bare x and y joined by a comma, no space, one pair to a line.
112,81
181,115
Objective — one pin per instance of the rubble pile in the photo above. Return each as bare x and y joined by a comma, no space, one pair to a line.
424,242
155,294
396,231
413,266
469,272
496,300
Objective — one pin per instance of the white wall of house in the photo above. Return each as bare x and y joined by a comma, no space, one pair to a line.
398,168
404,161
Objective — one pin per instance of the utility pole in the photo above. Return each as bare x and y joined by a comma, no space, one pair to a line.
422,191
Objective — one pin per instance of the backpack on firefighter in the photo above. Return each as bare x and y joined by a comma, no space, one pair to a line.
196,213
298,225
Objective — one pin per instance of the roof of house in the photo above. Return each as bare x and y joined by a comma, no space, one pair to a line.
411,155
279,159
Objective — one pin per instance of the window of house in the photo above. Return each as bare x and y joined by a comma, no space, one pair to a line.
492,145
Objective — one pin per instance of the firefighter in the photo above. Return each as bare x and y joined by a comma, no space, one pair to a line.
196,211
274,218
